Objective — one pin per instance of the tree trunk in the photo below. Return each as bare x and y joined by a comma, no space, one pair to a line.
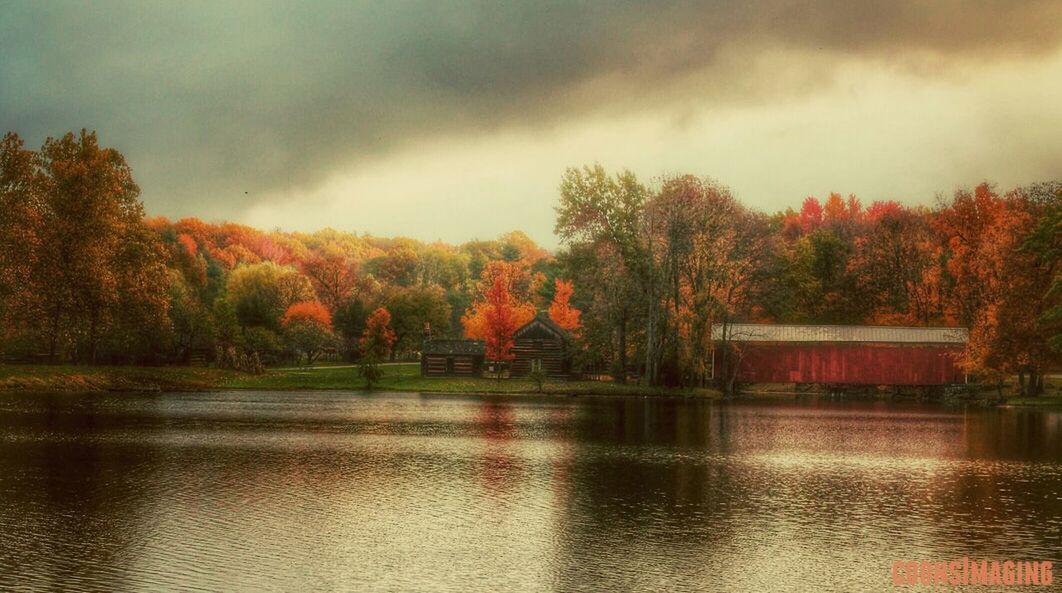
53,339
93,325
1036,383
1021,384
621,377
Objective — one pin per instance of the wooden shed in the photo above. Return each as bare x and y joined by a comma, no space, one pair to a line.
843,354
452,358
540,342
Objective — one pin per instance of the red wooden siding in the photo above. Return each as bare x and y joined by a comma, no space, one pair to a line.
849,363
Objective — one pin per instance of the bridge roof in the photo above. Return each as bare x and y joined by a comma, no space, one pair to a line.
757,332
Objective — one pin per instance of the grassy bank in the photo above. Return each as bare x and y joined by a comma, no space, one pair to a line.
397,377
1053,400
406,377
110,378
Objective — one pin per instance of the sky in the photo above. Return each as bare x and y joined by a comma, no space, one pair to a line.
455,120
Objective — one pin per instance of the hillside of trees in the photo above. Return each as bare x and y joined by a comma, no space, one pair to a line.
644,271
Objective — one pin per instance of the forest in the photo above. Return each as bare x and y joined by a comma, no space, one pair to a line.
644,269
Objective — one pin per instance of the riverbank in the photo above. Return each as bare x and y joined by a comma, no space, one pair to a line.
396,377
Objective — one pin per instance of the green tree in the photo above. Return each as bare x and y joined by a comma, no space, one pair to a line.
600,220
260,293
375,344
412,309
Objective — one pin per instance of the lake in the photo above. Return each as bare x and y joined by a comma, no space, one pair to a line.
249,491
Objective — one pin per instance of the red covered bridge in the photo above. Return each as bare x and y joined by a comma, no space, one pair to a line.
843,354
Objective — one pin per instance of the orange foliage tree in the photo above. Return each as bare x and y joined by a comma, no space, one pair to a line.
561,311
995,286
518,284
307,327
501,322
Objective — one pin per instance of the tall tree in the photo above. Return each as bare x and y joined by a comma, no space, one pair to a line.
501,322
95,271
600,219
1045,245
375,345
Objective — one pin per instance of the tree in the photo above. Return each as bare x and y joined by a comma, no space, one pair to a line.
997,286
375,344
333,276
20,229
308,328
519,286
411,310
261,292
190,319
89,271
891,267
1045,245
501,323
561,311
349,322
600,219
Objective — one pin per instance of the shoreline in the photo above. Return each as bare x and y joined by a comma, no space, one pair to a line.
398,377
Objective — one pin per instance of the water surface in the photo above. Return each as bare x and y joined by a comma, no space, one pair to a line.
252,491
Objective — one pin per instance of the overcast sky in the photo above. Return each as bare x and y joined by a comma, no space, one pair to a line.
446,120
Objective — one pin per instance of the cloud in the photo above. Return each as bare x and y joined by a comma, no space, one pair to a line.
211,100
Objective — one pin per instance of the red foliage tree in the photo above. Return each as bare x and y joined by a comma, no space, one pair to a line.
378,337
810,214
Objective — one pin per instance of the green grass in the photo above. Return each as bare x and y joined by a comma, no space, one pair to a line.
1043,400
397,377
109,378
406,377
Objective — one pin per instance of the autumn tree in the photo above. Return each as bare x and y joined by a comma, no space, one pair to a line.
500,321
91,272
334,277
995,285
307,327
375,345
519,287
600,220
561,310
21,212
892,266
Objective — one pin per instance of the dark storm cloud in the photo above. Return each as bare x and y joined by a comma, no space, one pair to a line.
209,100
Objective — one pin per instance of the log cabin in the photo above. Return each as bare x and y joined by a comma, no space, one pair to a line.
452,358
541,343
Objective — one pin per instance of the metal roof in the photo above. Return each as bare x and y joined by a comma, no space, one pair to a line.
755,332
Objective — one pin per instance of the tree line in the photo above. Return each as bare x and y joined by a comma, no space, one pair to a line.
644,271
86,277
658,264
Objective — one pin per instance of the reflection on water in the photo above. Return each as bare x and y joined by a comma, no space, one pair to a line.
330,491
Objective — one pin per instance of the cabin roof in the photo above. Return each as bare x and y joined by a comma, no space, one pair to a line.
543,320
451,346
757,332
